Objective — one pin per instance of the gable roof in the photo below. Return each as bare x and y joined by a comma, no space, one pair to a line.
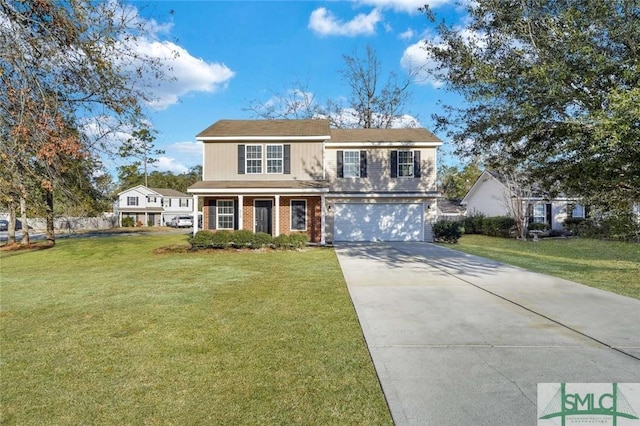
140,188
245,129
166,192
383,135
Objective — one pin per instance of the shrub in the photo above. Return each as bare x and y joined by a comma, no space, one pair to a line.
150,223
221,239
448,232
127,222
499,226
202,239
473,223
538,227
298,240
241,238
261,239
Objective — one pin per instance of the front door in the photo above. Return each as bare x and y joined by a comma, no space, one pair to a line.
263,216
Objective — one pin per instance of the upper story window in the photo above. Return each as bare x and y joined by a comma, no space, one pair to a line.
152,199
405,163
351,165
184,202
277,159
132,201
274,158
253,159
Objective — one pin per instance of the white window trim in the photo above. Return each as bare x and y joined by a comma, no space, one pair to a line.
182,201
291,215
413,172
544,213
247,159
218,215
137,202
344,164
573,209
266,159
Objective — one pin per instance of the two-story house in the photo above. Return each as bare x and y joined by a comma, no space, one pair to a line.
283,176
152,206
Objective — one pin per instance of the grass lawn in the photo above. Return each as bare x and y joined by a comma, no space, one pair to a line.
106,331
608,265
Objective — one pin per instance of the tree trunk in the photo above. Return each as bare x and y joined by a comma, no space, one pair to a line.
11,227
49,217
26,240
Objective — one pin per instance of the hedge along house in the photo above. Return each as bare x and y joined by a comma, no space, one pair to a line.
284,176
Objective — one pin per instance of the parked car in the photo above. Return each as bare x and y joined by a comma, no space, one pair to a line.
182,222
4,225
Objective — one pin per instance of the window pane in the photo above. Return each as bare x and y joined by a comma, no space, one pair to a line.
253,156
225,214
405,163
298,215
351,164
274,158
578,211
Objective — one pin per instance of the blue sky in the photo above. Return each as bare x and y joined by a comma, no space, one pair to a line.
235,52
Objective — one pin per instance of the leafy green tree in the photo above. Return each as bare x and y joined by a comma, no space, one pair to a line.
456,182
550,86
62,64
140,146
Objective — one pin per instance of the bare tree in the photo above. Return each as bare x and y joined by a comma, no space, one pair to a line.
372,103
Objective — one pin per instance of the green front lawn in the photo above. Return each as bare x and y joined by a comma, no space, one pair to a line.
105,331
608,265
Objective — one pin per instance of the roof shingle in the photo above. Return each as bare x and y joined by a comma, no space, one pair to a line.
248,128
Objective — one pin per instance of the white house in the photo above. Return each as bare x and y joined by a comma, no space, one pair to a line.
152,206
491,196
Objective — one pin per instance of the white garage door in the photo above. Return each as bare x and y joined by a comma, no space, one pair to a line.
378,222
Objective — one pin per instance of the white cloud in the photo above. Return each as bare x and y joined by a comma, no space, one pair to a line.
189,148
416,59
409,34
186,73
408,6
169,164
325,23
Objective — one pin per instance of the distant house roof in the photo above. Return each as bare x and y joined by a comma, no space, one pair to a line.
166,192
229,129
271,184
450,207
383,135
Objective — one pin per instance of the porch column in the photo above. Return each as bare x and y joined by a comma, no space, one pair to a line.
195,214
276,228
323,213
240,211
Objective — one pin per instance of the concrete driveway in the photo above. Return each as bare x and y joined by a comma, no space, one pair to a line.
462,340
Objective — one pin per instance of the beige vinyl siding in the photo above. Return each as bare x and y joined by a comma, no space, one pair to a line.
221,161
489,198
379,175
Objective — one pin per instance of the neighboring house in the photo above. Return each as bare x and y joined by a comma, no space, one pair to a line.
450,211
152,206
283,176
492,196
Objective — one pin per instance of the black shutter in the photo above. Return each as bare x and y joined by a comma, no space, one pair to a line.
548,208
235,214
240,159
212,214
340,164
394,164
286,168
416,164
529,213
586,211
363,164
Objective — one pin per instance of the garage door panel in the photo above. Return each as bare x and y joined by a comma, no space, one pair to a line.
378,222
